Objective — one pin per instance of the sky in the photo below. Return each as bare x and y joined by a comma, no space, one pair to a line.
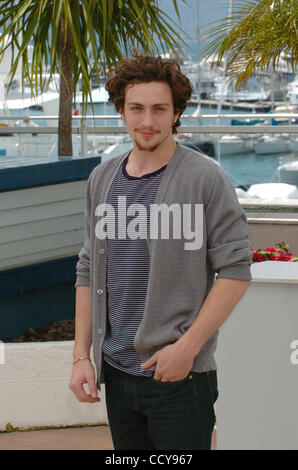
209,10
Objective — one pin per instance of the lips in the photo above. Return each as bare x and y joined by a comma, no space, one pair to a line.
147,133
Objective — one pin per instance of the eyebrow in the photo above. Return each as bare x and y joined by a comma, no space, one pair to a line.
155,104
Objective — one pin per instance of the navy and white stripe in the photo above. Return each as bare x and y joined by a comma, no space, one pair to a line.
127,273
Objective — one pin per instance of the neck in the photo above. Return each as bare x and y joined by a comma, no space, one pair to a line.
142,161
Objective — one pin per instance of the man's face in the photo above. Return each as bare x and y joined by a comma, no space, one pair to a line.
149,114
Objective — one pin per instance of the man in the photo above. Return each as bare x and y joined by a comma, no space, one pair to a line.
26,122
145,293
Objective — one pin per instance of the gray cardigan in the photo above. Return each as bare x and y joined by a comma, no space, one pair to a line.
179,278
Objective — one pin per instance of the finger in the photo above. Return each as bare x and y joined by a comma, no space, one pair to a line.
81,395
158,375
92,388
158,379
92,399
150,362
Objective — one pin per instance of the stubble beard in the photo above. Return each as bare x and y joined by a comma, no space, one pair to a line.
152,148
147,149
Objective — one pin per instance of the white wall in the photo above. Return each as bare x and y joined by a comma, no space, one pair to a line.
257,371
257,360
39,224
34,387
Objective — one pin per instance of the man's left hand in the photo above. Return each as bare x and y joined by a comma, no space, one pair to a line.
172,363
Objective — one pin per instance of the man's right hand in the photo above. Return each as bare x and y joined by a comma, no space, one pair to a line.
83,373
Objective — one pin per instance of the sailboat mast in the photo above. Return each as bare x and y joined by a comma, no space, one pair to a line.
198,59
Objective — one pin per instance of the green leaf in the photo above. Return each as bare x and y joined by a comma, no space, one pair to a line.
105,28
254,37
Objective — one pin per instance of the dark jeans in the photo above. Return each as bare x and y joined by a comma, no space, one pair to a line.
145,413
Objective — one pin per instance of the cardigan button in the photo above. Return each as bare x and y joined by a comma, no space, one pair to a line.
100,291
102,251
100,331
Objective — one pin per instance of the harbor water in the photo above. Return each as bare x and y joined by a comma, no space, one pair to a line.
242,168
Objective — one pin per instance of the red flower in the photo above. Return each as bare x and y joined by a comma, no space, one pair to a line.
273,254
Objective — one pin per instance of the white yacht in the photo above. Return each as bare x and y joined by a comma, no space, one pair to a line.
269,191
286,109
294,144
203,75
231,144
253,90
288,172
269,144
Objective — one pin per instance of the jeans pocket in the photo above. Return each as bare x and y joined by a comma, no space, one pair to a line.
175,382
212,382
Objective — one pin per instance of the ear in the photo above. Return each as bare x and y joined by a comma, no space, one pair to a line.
121,112
176,116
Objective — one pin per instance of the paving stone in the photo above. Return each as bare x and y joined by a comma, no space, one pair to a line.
82,438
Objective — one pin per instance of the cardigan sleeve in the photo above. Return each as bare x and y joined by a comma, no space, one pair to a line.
228,246
83,265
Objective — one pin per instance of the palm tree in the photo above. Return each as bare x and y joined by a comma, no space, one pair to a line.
254,36
63,32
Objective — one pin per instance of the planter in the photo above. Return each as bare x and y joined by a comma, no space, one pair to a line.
34,388
257,366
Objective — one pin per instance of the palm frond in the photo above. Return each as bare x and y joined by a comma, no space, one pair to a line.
254,37
109,28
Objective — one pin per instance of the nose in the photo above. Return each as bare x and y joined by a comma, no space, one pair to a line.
147,118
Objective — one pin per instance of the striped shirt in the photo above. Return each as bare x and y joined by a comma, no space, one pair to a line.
128,270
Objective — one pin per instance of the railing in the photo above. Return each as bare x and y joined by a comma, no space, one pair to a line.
208,132
83,130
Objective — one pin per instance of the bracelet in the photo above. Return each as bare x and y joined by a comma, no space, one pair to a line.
81,359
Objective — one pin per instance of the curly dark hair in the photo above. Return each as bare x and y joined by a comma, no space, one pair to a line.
143,68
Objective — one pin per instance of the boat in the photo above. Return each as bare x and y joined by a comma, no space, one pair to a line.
98,95
252,91
288,172
233,145
47,101
285,109
126,144
269,191
47,104
117,149
294,144
34,144
247,122
203,74
242,193
268,144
